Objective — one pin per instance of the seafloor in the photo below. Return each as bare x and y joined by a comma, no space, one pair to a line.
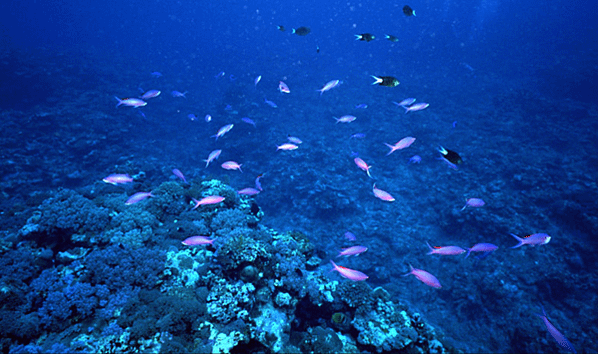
83,272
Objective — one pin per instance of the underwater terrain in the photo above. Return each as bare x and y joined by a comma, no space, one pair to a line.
259,178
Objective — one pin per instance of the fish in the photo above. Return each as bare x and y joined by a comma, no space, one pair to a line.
179,174
248,120
219,75
197,241
137,197
280,28
208,118
150,94
329,86
209,200
192,117
364,166
131,102
352,251
231,165
213,156
357,136
387,81
294,140
424,277
401,144
301,31
405,102
223,130
283,88
562,341
345,119
257,80
248,191
178,94
361,106
350,236
481,247
445,250
391,38
415,159
287,147
383,195
532,240
365,37
258,185
416,107
351,274
408,11
118,178
473,203
270,103
450,156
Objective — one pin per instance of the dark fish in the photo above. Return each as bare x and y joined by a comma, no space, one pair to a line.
450,156
365,37
408,11
317,49
387,81
391,38
280,28
301,31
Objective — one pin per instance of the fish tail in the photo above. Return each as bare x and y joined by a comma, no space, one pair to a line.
406,109
358,37
378,80
468,252
119,101
391,148
518,239
431,249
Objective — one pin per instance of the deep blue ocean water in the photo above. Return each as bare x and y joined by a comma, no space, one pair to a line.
511,86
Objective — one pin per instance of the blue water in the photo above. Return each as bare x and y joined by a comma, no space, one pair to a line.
511,88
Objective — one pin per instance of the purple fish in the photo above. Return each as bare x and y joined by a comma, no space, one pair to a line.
558,336
118,178
151,94
445,250
179,174
352,251
178,94
197,241
248,191
473,203
258,185
270,103
405,102
348,273
424,277
415,159
532,240
248,121
137,197
350,236
416,107
130,102
482,247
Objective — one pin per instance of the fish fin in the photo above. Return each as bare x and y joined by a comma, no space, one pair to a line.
430,247
378,80
518,239
358,37
119,101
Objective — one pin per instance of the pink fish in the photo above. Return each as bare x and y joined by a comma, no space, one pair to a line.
474,203
294,140
223,130
270,103
400,145
424,277
481,247
416,107
379,193
248,191
329,86
556,334
130,102
150,94
213,156
352,251
118,179
350,236
364,166
287,146
248,121
283,88
231,165
179,174
258,185
212,199
179,94
445,250
197,241
351,274
345,119
137,197
405,102
532,240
